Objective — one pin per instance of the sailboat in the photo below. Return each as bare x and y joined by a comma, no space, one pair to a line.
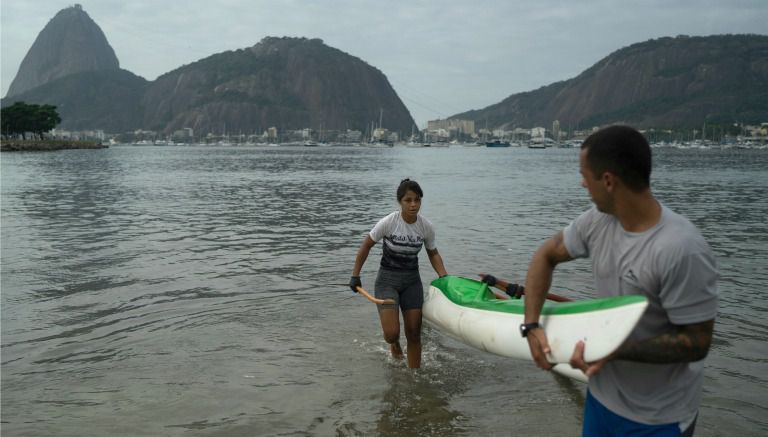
379,142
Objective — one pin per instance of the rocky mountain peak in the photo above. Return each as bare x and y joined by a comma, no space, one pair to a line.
286,82
70,43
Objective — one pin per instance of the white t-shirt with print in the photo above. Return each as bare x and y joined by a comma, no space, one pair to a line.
402,240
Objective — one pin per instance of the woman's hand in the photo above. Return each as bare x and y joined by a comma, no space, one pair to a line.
354,282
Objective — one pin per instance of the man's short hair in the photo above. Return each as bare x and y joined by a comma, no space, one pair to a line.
623,151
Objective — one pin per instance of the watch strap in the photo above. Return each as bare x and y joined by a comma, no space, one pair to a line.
525,328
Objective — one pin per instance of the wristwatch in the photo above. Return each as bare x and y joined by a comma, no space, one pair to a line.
525,328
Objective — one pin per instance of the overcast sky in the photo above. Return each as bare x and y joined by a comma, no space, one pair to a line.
441,57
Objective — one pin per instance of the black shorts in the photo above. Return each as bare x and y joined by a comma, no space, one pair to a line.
402,286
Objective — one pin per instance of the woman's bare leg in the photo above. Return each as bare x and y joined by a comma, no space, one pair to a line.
412,321
390,325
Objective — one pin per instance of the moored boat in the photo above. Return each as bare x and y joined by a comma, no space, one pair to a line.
497,143
468,311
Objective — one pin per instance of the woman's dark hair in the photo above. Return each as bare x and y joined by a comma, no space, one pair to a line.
408,185
623,151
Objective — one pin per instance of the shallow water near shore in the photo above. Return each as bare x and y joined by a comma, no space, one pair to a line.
195,290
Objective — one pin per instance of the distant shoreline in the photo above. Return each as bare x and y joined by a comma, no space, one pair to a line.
47,145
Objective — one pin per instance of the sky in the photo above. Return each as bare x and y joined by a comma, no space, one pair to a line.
441,57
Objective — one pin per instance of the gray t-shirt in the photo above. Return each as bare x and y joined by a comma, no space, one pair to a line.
402,240
675,269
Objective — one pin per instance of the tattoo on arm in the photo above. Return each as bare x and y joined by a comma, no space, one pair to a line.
685,344
560,253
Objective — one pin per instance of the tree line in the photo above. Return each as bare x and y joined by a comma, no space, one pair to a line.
21,119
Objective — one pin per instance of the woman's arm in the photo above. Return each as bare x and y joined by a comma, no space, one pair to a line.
362,255
437,262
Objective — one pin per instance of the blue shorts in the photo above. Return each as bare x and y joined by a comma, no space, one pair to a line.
602,422
402,286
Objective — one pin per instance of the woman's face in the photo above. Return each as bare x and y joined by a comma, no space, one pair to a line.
410,204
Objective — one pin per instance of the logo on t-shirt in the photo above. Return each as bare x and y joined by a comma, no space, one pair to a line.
413,239
631,276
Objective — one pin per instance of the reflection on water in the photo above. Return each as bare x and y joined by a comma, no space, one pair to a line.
162,290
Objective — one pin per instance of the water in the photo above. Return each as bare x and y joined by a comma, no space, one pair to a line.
194,291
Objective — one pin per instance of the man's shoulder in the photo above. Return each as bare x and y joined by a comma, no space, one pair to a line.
678,235
678,227
593,219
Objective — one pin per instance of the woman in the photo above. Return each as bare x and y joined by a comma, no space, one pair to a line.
404,233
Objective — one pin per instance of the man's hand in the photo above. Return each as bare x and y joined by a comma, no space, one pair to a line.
537,341
577,361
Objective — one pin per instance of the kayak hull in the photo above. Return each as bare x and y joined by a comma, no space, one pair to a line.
467,311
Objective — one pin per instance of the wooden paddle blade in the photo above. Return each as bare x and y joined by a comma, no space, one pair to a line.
502,285
368,296
558,298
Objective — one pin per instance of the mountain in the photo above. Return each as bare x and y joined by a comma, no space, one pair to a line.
291,83
664,83
109,100
296,83
70,43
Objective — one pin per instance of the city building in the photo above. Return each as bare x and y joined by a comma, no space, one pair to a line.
454,126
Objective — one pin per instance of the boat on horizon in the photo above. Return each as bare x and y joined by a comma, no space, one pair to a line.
497,143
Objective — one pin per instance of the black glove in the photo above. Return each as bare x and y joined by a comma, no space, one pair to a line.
354,282
515,290
489,279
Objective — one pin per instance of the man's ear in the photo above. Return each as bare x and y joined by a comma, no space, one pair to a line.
609,181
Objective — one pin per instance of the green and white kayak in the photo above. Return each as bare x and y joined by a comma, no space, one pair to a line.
468,311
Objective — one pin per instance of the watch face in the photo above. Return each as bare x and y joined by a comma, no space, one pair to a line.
525,328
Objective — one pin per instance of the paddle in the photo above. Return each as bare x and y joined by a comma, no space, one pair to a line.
502,285
368,296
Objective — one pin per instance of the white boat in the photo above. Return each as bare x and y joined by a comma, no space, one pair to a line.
469,312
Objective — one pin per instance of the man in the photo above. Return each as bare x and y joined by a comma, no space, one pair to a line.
652,384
